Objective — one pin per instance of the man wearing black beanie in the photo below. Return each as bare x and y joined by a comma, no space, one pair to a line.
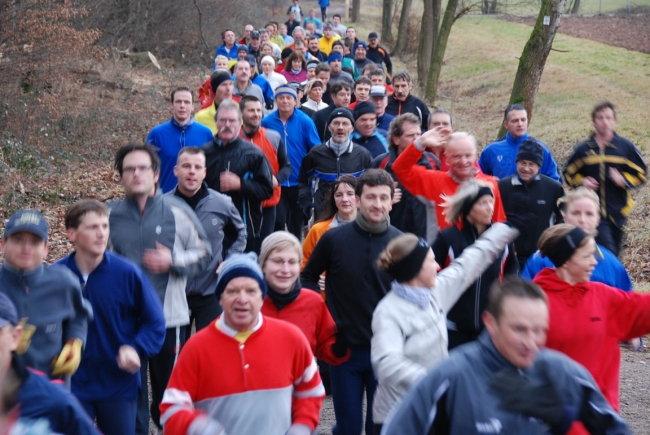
530,196
365,130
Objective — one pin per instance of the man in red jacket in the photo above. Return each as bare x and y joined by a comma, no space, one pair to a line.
245,373
461,158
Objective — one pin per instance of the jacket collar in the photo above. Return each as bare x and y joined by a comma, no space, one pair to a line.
494,360
516,181
516,142
17,274
185,126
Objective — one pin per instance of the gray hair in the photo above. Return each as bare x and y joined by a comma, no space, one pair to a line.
296,29
453,205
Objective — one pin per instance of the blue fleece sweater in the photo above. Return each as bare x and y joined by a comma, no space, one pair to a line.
299,135
608,270
499,158
169,138
127,311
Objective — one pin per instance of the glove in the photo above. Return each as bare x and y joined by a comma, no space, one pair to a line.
269,103
68,361
341,345
535,398
307,209
25,336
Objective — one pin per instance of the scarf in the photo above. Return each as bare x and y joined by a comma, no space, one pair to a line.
281,300
296,71
337,221
372,229
419,296
338,148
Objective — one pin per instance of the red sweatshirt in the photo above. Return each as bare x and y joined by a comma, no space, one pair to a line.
589,320
263,385
418,180
309,313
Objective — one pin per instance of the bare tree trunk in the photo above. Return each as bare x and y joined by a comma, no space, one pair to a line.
428,37
402,29
386,18
141,19
493,7
533,58
439,51
356,11
576,7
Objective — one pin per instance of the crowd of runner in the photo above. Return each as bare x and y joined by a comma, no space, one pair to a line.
316,229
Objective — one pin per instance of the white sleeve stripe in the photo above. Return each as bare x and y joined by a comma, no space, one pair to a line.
171,411
318,391
442,389
308,374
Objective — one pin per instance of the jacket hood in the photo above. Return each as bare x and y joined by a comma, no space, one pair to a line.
550,282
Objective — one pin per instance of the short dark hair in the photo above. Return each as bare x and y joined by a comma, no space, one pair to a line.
311,38
182,89
377,72
130,147
402,75
441,110
247,99
223,34
512,285
336,15
299,42
396,128
373,178
190,150
323,66
362,80
348,42
75,213
602,106
512,107
339,86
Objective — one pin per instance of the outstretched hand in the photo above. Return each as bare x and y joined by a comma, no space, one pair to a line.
435,138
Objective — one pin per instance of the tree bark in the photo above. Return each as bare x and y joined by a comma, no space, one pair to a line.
576,7
402,29
428,37
439,51
386,18
356,11
533,58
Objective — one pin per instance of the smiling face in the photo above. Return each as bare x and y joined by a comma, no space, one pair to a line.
581,264
241,301
281,269
360,52
527,170
190,171
375,203
461,157
252,114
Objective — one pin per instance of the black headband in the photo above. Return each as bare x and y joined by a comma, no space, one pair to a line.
469,203
567,246
408,267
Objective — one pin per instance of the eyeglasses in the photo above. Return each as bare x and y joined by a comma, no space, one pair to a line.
338,124
132,169
279,262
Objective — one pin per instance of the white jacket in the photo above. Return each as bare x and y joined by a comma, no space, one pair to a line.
408,340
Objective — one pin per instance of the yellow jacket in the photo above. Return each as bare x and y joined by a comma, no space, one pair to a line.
325,45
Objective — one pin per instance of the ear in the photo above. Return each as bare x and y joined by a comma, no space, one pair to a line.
15,337
72,234
176,171
156,176
357,200
490,323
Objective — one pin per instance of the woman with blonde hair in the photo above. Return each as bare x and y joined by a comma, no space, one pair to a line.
280,257
314,91
588,319
470,213
581,208
409,323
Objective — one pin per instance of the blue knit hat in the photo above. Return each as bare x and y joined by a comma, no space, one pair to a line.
286,89
362,44
240,265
